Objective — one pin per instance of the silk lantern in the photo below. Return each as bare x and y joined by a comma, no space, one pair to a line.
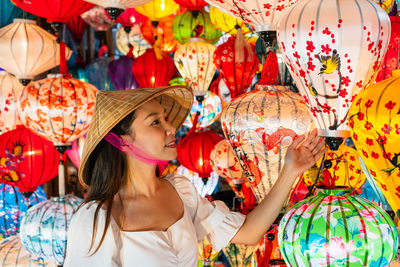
26,159
115,8
120,72
194,24
44,227
161,32
203,187
97,18
194,62
77,27
10,88
331,58
337,228
206,253
27,50
374,123
13,206
97,73
239,255
260,125
158,9
125,40
237,64
153,68
192,4
75,152
9,12
130,17
225,22
14,254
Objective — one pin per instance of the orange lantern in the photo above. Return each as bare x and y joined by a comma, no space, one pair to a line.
161,31
10,88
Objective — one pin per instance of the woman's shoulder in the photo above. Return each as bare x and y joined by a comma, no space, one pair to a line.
184,187
86,213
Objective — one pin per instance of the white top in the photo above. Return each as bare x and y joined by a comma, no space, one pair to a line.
177,246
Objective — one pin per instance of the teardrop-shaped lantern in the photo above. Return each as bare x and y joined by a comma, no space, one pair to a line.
10,88
120,72
162,32
134,38
158,9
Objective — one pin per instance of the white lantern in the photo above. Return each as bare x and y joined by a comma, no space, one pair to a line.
10,88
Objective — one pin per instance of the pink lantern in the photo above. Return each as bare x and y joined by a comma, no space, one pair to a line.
75,152
97,18
10,88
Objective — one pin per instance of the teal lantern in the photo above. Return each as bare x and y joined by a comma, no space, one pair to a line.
337,228
9,12
195,24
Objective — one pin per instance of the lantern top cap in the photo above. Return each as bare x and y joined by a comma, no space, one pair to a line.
28,21
113,106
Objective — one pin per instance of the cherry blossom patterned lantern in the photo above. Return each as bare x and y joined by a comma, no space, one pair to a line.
10,88
204,187
27,50
192,4
161,32
331,58
26,159
194,62
239,255
115,8
374,123
97,18
260,125
134,38
120,72
158,9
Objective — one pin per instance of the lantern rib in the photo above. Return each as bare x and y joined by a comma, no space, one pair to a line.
43,210
43,160
309,226
53,226
30,148
12,51
264,147
75,125
39,55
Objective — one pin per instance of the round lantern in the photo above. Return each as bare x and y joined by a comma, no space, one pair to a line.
194,62
133,38
115,8
27,50
158,9
120,72
374,123
344,172
194,23
13,254
97,73
97,18
331,58
161,32
26,159
192,4
130,17
335,228
210,109
225,22
77,27
204,187
13,206
152,69
239,255
260,125
206,253
9,12
44,227
236,64
10,88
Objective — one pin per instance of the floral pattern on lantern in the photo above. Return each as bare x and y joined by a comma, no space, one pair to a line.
163,33
225,22
374,123
10,88
204,187
57,108
97,74
97,18
260,125
158,9
44,227
239,255
331,58
335,228
133,38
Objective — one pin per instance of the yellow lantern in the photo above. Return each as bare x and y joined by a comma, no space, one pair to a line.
158,9
10,88
225,22
374,122
134,38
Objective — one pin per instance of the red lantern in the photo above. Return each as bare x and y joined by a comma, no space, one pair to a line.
129,17
77,27
55,10
237,64
26,159
192,4
153,68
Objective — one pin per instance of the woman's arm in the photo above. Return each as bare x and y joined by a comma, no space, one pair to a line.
298,159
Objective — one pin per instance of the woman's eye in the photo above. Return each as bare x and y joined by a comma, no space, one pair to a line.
166,119
155,122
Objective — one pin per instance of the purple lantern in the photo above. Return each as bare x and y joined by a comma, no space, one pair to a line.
120,71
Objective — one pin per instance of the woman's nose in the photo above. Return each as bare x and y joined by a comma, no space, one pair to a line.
170,129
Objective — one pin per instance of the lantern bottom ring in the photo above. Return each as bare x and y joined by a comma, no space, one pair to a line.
334,133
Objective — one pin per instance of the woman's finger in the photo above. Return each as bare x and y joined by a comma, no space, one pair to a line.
318,145
320,153
297,141
310,138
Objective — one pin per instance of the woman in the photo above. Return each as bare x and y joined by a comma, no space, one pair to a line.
133,217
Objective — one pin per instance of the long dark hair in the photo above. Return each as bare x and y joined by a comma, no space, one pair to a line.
107,172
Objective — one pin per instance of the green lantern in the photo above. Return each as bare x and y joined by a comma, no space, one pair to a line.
336,228
194,24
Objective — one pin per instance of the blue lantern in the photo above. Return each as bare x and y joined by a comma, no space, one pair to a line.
97,74
120,71
9,12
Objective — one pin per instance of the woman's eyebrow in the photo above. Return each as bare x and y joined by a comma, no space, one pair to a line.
154,114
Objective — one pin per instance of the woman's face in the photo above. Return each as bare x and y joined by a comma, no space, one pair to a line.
152,133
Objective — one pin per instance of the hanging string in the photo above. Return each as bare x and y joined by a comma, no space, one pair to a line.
63,59
157,48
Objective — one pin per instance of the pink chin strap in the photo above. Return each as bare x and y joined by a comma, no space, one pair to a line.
135,152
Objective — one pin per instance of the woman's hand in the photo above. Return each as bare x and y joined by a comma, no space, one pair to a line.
302,156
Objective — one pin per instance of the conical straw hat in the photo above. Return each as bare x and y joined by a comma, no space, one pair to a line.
112,106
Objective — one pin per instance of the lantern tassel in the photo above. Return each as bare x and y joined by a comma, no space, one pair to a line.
157,49
241,47
270,73
195,121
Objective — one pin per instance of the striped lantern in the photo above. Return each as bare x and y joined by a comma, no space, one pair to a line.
10,88
44,227
13,206
134,38
336,228
97,74
194,61
155,10
263,15
331,58
260,125
14,254
239,255
205,188
27,50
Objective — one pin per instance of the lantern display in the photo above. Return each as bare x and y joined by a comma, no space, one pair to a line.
14,254
120,72
391,60
236,64
153,68
225,22
331,58
344,172
45,225
26,159
194,24
115,8
337,228
206,253
268,253
13,206
239,255
10,88
210,109
263,16
75,152
163,33
388,5
97,73
130,17
158,9
97,18
260,125
27,50
204,187
374,123
192,4
77,27
194,62
9,12
125,40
